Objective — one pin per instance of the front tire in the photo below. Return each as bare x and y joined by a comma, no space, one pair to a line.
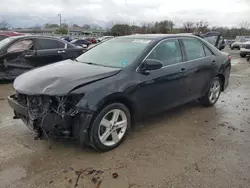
213,93
110,127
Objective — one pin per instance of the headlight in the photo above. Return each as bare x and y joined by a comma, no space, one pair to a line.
65,105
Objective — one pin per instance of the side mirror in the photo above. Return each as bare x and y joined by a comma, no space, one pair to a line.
152,64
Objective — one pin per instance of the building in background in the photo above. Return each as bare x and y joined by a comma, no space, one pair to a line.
72,31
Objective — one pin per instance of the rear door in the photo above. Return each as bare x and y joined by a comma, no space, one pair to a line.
201,64
48,51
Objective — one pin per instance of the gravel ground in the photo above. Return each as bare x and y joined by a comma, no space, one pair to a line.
188,146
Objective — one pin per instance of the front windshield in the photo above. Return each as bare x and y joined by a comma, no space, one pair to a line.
118,52
4,42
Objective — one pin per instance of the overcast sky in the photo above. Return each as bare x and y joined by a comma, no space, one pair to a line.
23,13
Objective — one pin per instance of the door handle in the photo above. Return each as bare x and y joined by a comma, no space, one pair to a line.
183,70
213,62
28,55
62,51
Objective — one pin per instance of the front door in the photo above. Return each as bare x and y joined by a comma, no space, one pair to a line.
19,58
166,87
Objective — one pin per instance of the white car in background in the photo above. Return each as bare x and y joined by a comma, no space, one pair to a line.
245,49
240,40
105,38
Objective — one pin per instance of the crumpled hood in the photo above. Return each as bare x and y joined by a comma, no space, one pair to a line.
60,78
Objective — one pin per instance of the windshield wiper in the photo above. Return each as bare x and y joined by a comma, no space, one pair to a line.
90,63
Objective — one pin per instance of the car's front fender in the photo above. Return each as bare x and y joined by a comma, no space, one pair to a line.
98,93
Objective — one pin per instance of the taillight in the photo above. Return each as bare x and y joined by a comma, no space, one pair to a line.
230,57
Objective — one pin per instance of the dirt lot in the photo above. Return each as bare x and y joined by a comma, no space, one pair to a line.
189,146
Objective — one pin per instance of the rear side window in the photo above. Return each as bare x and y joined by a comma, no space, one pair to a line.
48,44
168,52
207,51
194,48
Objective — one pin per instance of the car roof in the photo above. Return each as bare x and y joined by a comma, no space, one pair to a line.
156,36
35,36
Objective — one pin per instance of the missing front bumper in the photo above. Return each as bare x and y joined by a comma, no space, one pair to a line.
78,125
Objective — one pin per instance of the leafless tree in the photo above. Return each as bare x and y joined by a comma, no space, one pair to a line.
4,25
188,26
244,27
201,26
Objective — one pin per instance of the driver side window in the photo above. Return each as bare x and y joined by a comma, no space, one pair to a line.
168,52
21,46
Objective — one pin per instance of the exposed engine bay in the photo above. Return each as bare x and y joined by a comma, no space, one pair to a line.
49,114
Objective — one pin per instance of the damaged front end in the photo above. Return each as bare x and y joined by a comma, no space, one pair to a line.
50,115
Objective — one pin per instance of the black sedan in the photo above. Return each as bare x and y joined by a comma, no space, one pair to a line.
96,97
81,42
21,53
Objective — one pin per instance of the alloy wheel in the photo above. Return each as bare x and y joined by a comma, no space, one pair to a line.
214,91
112,127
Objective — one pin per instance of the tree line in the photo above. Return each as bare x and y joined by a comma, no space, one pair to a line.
165,26
168,26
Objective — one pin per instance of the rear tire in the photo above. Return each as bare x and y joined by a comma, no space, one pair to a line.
242,55
213,93
110,127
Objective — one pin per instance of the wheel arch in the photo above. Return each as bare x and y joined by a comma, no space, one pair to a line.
222,78
119,98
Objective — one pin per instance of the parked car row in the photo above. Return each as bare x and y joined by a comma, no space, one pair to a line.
19,54
81,42
95,97
245,49
85,42
240,40
241,43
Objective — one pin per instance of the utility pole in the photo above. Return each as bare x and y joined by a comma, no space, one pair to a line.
60,16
